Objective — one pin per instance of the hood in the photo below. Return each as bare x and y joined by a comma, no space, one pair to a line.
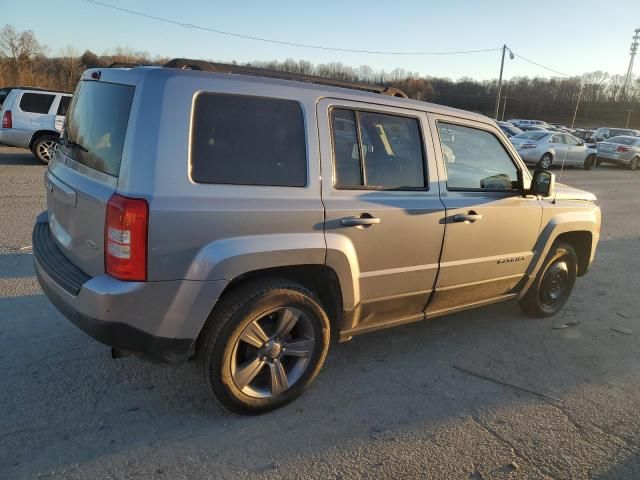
565,192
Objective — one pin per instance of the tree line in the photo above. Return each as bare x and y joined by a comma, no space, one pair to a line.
24,60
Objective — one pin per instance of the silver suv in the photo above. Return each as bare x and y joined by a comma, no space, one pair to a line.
33,118
218,212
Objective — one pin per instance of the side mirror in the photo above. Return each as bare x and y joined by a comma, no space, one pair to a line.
543,183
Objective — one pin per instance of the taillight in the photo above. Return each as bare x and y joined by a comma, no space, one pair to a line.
622,149
125,238
7,121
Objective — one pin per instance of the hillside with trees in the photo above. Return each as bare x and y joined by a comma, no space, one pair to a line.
24,60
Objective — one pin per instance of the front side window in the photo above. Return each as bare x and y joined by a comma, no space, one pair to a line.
476,160
63,106
571,140
244,140
376,150
36,102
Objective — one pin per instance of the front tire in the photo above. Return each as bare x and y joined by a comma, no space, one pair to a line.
634,163
44,147
546,161
590,162
264,345
553,284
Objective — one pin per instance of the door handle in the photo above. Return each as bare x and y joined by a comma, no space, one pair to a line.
467,217
363,221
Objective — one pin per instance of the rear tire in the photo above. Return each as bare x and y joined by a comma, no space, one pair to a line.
251,361
590,162
44,147
634,163
546,161
553,284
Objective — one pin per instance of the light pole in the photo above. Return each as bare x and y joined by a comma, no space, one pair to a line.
634,49
626,125
504,50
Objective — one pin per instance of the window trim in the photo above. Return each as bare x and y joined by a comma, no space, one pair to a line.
519,171
356,110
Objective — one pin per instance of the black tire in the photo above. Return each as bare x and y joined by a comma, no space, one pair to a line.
220,348
544,298
598,162
44,147
545,161
634,163
590,162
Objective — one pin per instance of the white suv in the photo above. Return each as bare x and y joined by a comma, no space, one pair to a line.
33,119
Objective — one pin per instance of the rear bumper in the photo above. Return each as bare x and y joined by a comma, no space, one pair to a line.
157,320
614,158
15,137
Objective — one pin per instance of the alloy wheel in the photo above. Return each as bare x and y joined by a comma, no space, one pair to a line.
46,149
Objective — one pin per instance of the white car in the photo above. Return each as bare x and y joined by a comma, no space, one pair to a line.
545,148
33,119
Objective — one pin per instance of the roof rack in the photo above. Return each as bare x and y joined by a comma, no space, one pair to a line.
202,65
127,65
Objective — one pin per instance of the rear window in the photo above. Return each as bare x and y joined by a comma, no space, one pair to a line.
624,140
96,125
63,106
244,140
532,135
36,102
4,92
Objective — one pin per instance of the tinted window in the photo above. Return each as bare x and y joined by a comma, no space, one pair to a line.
97,123
244,140
3,94
376,150
63,106
36,102
475,159
531,135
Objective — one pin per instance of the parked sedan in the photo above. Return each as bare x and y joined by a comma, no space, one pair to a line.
509,129
621,150
545,148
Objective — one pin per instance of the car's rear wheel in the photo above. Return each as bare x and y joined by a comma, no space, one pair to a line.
546,161
44,147
590,162
634,163
553,285
264,344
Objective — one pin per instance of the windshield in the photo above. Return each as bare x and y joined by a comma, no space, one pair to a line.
533,135
624,140
96,125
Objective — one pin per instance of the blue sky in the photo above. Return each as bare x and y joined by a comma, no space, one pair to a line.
569,36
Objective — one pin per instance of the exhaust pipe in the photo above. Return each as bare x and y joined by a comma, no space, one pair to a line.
119,353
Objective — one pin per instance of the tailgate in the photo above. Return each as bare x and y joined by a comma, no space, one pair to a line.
84,173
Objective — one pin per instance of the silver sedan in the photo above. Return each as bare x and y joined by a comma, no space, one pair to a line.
545,148
622,150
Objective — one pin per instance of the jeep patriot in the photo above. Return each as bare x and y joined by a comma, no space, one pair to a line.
247,218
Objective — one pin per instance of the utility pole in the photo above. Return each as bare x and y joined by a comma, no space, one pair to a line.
504,107
626,125
504,51
577,105
634,49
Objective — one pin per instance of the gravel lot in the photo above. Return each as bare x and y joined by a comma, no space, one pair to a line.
390,404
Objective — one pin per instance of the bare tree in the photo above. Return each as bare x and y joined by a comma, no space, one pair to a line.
21,48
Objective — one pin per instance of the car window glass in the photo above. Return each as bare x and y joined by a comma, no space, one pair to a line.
246,140
63,106
376,150
475,159
571,140
36,102
623,140
557,139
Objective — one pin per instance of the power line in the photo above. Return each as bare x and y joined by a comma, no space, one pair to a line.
280,42
537,64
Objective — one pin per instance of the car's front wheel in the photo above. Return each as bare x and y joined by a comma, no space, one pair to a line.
545,161
263,346
553,284
44,147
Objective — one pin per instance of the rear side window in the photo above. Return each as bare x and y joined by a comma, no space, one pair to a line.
96,125
245,140
36,102
376,150
63,106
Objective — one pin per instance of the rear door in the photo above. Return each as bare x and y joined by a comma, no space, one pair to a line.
491,229
33,110
85,171
381,197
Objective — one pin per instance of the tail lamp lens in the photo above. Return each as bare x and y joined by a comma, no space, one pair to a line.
125,242
7,120
622,149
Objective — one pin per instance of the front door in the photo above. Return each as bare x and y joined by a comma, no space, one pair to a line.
491,228
380,192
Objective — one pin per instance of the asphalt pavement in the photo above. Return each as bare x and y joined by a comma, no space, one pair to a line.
481,394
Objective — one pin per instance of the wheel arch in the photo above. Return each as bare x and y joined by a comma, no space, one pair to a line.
40,133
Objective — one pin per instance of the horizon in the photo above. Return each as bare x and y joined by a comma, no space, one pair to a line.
607,52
